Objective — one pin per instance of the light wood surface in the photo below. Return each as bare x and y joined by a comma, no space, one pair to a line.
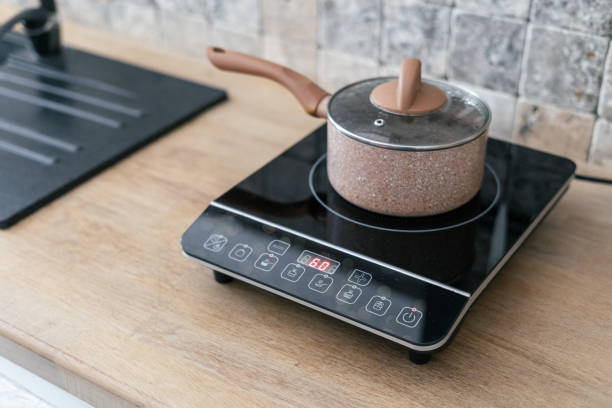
95,284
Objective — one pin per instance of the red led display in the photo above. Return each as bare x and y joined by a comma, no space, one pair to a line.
318,262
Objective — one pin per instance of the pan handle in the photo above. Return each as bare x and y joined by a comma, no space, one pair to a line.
312,98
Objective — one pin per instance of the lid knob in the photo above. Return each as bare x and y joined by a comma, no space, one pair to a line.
408,95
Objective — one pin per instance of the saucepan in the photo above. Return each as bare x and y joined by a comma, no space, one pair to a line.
401,146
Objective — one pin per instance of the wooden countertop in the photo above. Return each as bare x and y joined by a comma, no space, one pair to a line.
95,284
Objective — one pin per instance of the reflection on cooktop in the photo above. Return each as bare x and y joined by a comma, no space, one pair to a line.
460,247
481,204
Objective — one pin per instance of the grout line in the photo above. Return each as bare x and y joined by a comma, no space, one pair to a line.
592,141
530,9
523,59
379,42
607,67
260,21
451,16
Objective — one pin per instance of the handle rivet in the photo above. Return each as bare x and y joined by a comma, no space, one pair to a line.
379,122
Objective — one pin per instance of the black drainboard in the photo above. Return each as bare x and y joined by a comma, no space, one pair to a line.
65,118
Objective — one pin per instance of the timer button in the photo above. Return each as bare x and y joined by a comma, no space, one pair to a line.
278,247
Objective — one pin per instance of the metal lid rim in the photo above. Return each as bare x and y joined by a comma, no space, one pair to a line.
481,131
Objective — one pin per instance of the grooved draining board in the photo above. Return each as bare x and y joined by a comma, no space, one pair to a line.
64,119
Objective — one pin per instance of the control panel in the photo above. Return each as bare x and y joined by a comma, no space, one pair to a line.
361,290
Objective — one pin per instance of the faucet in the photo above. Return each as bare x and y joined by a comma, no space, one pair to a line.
40,25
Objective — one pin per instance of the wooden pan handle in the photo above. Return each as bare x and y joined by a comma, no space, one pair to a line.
408,84
312,98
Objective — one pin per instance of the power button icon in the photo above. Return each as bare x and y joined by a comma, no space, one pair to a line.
409,317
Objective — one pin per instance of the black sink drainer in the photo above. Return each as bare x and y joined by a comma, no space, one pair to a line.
67,117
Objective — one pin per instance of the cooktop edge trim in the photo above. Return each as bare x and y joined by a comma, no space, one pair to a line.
429,348
320,309
517,244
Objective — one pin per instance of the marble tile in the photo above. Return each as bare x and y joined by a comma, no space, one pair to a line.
593,16
351,27
93,13
187,33
336,70
296,56
18,3
136,18
413,29
393,70
486,51
563,67
502,109
604,107
238,16
601,147
291,20
247,43
12,396
549,128
511,8
198,8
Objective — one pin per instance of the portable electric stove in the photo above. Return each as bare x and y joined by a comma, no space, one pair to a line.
409,280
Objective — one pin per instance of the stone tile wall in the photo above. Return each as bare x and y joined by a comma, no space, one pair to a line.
543,66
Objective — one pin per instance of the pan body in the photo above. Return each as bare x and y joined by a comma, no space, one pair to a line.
404,183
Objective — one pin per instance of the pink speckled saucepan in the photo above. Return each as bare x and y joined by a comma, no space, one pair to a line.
398,146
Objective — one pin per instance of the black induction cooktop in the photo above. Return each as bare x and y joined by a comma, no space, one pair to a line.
410,280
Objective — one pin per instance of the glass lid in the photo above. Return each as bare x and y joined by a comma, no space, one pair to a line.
462,118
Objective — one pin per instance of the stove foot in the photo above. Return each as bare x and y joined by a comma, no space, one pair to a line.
419,358
222,278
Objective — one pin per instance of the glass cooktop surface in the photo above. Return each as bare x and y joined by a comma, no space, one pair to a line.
459,248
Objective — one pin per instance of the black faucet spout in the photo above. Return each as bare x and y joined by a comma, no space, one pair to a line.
41,26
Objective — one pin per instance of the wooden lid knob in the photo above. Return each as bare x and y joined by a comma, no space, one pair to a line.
408,95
